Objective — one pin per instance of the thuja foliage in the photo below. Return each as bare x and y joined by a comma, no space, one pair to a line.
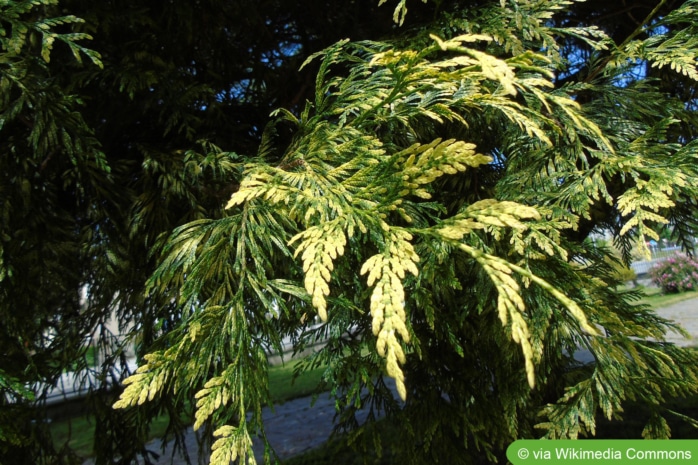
426,213
82,197
38,264
424,191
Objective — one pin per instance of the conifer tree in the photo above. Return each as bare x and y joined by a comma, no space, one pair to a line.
473,290
425,191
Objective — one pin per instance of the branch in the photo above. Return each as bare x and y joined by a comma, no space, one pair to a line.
640,29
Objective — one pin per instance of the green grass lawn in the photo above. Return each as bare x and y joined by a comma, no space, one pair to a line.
283,387
656,299
78,431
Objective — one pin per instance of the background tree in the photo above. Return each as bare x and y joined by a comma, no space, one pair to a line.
458,161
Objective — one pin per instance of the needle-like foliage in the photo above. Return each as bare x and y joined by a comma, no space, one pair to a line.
476,310
228,177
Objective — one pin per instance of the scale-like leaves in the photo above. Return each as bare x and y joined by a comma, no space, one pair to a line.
321,245
148,381
432,208
675,49
386,271
233,443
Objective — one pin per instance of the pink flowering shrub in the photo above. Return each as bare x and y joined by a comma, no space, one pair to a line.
676,274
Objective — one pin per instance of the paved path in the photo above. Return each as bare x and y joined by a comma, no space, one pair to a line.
292,428
296,426
686,314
